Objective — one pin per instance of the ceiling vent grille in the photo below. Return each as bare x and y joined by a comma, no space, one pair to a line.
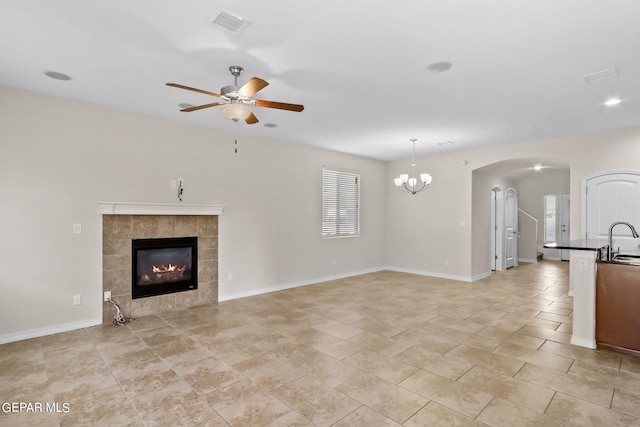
600,75
230,21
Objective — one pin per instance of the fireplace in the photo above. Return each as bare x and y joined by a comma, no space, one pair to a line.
164,266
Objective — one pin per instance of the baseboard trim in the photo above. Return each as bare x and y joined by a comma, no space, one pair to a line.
528,260
440,275
317,280
298,284
583,342
480,276
48,330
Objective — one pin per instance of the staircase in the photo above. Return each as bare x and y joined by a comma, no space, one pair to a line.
528,249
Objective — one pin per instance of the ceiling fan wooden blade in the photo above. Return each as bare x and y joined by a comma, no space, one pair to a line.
278,105
252,119
192,88
252,86
200,107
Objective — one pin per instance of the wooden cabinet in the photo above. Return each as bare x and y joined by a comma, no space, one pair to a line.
618,307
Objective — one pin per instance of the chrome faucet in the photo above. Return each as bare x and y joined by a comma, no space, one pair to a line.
610,251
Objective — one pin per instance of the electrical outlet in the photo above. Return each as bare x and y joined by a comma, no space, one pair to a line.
173,184
107,295
77,299
230,276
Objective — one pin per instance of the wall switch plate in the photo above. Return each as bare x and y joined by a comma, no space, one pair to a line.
77,299
107,295
230,276
174,184
77,228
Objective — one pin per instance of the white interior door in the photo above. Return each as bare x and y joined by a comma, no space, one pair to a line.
613,197
494,228
564,225
511,224
497,229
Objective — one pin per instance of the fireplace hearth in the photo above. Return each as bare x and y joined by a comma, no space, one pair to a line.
120,227
163,266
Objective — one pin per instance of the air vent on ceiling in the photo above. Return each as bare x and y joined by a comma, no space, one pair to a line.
230,21
445,143
600,75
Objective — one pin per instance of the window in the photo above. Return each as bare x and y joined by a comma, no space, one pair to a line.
340,203
550,218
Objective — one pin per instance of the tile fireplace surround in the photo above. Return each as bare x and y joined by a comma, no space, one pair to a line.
122,222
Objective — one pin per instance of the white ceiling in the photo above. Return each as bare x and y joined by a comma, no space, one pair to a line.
359,67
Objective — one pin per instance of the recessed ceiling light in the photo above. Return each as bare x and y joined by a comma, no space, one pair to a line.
613,101
56,75
537,167
439,67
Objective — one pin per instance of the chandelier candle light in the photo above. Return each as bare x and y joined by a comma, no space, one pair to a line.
410,185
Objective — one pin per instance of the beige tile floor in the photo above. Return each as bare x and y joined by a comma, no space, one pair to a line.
383,349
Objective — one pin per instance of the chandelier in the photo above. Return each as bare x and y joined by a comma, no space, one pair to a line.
410,185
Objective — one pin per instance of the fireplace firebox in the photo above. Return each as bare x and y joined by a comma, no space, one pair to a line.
164,266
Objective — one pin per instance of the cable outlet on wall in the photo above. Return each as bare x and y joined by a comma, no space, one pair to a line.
107,295
583,264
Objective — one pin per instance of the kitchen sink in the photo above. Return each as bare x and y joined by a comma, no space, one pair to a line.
627,259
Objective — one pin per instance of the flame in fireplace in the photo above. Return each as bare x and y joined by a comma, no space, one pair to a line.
164,273
168,269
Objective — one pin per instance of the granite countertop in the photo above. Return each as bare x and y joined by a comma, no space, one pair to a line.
580,245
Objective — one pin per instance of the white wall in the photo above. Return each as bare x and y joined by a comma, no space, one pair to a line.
531,199
482,183
58,158
425,229
429,232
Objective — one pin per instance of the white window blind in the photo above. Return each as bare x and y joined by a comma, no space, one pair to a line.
340,203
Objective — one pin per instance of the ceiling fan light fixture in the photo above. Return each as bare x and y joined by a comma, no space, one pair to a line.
236,111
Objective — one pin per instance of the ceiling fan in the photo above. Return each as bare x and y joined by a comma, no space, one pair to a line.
235,100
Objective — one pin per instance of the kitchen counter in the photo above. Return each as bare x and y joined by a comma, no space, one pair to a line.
581,245
584,255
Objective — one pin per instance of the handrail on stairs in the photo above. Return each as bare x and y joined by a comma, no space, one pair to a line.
535,221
